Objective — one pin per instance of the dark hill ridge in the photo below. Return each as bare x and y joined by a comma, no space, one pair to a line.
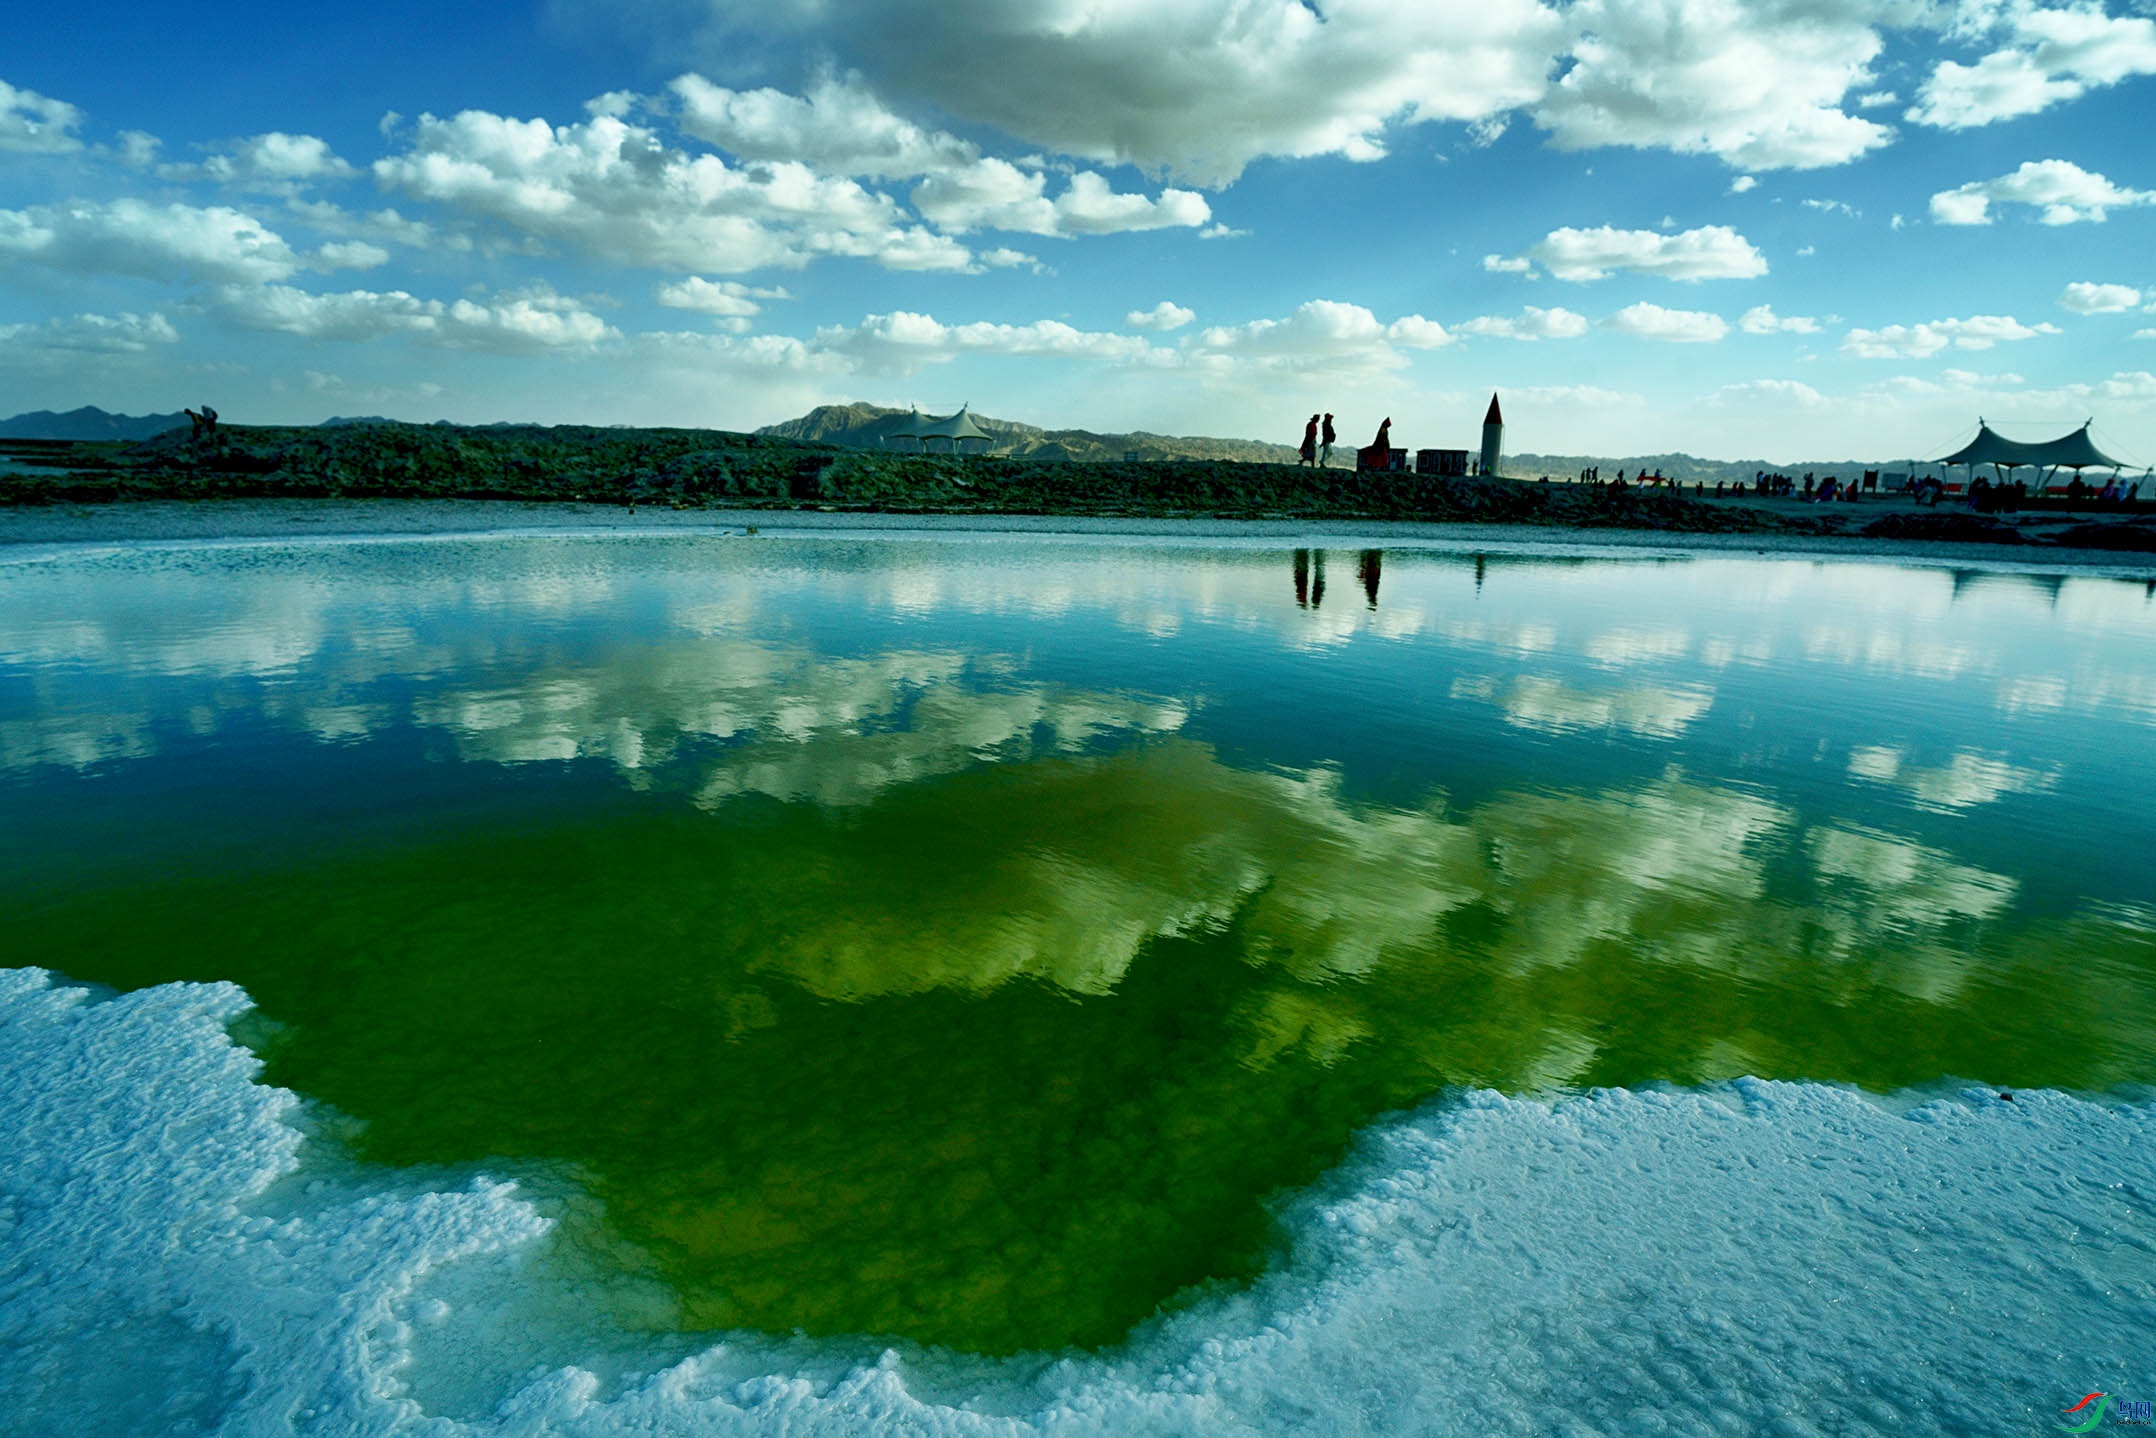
88,423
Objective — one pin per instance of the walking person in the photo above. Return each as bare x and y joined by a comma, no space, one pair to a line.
1309,451
1325,444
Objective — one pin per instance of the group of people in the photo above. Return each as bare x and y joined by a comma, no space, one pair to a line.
1318,440
1319,437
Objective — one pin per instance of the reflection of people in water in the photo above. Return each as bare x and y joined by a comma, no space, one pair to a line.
1366,569
1309,579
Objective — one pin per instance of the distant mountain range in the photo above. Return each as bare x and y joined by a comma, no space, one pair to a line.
89,422
864,426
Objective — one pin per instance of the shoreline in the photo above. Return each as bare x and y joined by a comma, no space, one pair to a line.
184,522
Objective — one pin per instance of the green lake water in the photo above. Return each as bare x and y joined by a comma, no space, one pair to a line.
970,942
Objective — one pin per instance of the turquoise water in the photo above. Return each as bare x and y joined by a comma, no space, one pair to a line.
988,947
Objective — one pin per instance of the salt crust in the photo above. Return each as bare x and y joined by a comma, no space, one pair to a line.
1760,1258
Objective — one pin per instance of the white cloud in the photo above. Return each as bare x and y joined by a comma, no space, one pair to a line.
1712,252
1516,265
1200,88
997,195
728,298
1653,322
533,321
1742,184
76,335
2062,189
1758,86
1775,393
1978,332
381,227
838,127
2084,298
1762,320
350,255
1835,207
275,161
158,242
613,191
1319,334
1532,323
901,342
34,124
2052,55
139,148
1167,315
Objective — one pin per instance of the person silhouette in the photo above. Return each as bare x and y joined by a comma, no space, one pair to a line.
1378,454
1325,443
1309,452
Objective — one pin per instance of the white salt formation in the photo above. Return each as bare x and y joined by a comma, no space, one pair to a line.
1764,1258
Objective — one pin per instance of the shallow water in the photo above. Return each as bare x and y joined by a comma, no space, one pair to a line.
979,944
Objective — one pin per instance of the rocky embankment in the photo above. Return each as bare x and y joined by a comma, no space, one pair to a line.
718,469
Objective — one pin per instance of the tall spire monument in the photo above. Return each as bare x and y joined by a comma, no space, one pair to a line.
1493,437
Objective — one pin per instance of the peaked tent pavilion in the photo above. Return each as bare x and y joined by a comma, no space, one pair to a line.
2074,451
949,435
907,433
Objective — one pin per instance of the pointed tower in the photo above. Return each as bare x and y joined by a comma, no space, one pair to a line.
1493,437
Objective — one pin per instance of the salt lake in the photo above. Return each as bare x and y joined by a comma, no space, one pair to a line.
735,982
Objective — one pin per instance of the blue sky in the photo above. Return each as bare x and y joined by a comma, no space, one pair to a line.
1808,229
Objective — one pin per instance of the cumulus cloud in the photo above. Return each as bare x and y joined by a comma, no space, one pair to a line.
1712,252
613,191
901,342
75,335
2064,191
1758,86
1198,89
2051,55
1531,323
275,161
1167,315
1978,332
34,124
997,195
838,127
1742,184
1652,322
1776,393
1319,334
2084,298
1514,265
1762,320
156,242
726,298
533,321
